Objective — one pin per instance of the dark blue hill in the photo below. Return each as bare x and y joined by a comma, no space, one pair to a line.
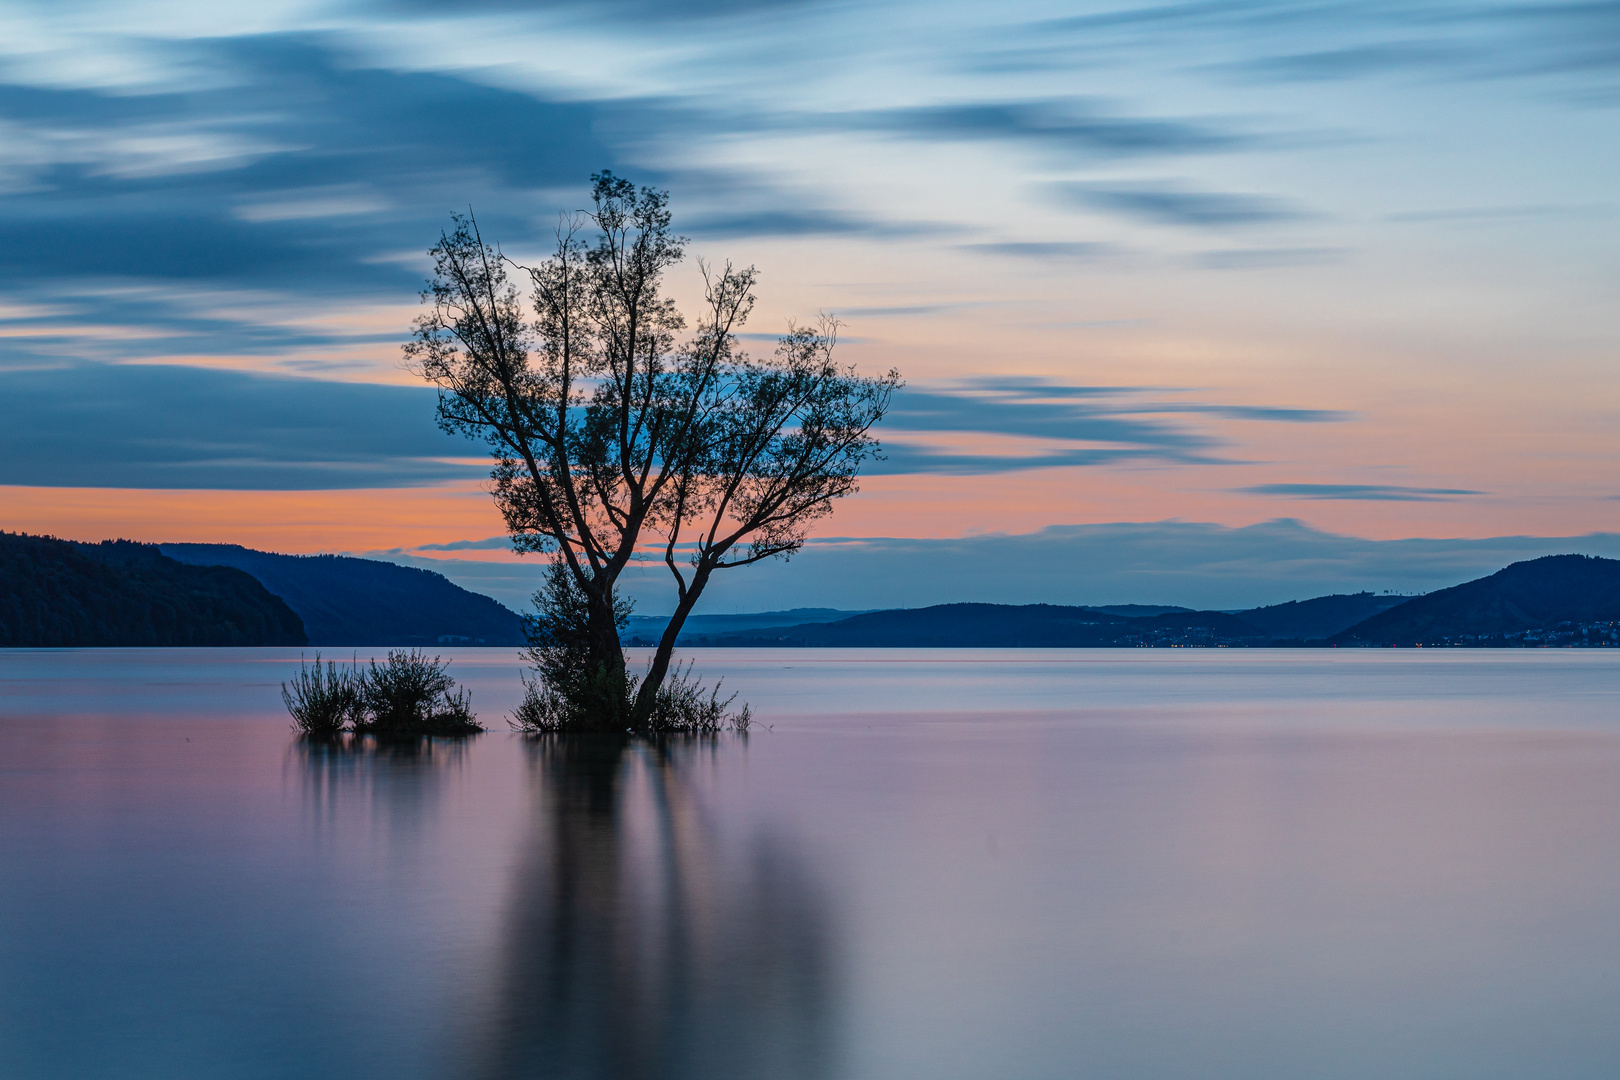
362,602
58,594
647,629
1559,599
1318,618
1006,626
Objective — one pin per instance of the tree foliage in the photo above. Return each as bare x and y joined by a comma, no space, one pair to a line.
617,429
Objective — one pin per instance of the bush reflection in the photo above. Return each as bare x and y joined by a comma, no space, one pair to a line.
402,781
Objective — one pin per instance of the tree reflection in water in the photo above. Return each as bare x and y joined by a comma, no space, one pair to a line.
644,941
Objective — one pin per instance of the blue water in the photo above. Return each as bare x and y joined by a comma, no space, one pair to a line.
975,864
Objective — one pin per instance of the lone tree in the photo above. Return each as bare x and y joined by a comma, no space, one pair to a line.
615,433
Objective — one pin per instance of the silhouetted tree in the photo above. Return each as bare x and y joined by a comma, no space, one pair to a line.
606,426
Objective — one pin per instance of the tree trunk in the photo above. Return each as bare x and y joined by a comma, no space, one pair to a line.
648,694
610,709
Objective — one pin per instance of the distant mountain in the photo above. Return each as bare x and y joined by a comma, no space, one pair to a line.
647,629
1559,599
345,601
58,594
1322,617
1006,626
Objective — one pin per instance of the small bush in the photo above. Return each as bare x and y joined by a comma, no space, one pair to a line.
599,703
542,711
324,701
684,706
407,695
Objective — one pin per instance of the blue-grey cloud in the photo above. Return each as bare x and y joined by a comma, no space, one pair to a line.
1268,258
159,426
618,11
298,124
1361,492
96,425
1120,436
1100,425
1259,412
1069,125
1167,562
1354,62
1046,250
1184,563
1284,42
783,222
492,543
1138,400
1166,205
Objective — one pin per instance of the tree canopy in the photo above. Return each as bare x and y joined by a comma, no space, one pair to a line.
618,430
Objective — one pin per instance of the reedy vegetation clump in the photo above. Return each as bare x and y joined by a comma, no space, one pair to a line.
324,701
610,431
408,695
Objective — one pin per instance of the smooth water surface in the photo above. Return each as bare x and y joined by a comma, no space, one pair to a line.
932,864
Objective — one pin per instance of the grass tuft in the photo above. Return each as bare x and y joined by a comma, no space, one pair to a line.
408,695
325,701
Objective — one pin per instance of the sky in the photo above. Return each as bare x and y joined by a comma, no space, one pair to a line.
1249,282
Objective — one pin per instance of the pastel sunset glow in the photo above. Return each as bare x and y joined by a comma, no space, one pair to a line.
1350,265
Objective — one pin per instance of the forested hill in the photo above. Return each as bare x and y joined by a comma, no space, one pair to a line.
1008,626
1559,599
1049,625
57,594
346,601
1321,617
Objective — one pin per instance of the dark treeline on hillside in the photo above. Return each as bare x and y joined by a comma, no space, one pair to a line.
346,601
54,593
1054,626
1003,626
1557,600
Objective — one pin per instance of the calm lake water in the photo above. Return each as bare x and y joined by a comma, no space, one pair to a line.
974,864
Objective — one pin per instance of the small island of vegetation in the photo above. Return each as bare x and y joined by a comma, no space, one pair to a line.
406,696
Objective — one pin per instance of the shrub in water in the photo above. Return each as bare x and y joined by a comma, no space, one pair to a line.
410,694
683,706
323,701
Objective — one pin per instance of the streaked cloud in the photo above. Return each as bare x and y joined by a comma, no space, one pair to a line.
1166,204
1046,250
1076,126
1059,426
186,427
1362,492
493,543
157,426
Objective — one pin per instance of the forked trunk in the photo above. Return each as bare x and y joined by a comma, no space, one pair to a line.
647,696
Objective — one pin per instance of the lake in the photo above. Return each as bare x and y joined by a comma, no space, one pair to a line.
951,864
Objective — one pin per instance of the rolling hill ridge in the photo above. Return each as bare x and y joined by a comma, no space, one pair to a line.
345,601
